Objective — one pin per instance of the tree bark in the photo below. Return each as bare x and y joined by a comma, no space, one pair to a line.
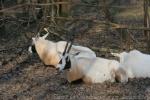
146,23
2,25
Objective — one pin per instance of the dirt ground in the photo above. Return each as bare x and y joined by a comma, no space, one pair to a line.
24,77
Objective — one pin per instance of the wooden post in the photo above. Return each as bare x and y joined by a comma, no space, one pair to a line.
52,10
1,7
64,9
106,11
58,7
146,22
128,40
69,8
107,18
2,25
121,39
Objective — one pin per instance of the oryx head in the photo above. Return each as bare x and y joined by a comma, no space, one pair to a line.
32,48
65,62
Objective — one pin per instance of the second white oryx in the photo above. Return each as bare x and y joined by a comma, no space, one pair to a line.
135,63
90,70
48,50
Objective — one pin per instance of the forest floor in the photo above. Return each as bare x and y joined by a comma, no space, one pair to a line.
24,77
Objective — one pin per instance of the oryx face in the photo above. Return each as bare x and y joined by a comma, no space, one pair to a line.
64,63
32,48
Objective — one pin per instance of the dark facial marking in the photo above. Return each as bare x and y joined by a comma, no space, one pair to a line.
68,63
60,62
33,49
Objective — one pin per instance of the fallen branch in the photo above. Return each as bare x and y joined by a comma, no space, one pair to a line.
122,7
33,4
48,4
61,37
112,25
14,7
104,49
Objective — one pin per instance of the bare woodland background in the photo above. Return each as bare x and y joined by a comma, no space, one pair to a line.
126,18
102,25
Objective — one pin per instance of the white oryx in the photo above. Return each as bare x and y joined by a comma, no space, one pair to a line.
90,70
135,63
48,50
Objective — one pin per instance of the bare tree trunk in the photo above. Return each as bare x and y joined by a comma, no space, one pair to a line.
2,25
146,22
58,9
106,10
53,11
65,8
1,7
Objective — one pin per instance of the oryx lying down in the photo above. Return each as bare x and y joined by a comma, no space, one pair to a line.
135,63
48,50
90,70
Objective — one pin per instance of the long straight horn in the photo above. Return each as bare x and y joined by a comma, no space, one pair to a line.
45,29
46,33
69,47
65,48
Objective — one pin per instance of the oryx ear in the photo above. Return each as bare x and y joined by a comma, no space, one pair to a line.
74,54
45,36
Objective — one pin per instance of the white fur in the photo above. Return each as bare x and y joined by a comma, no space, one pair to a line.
92,70
101,70
121,56
48,50
85,55
136,64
